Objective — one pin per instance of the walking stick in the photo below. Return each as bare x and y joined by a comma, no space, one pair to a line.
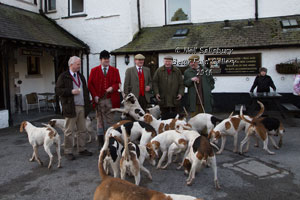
195,85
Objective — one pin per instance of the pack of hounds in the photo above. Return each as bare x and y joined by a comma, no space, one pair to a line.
129,143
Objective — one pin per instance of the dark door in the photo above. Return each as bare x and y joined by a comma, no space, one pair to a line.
2,99
151,61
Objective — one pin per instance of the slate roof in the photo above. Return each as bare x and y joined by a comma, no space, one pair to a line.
21,25
265,33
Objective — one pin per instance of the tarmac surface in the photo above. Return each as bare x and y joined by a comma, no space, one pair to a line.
254,175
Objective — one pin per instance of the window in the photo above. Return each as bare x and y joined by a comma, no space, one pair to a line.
178,11
33,65
76,7
289,23
181,32
51,5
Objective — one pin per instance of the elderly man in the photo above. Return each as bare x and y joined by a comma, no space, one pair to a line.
138,81
168,87
201,77
74,95
103,84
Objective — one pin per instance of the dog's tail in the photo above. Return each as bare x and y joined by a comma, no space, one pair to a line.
261,111
102,172
243,117
124,133
231,114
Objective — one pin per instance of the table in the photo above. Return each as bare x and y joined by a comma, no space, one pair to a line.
46,95
272,97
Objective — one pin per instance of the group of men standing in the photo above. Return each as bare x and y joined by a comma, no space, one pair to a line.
167,86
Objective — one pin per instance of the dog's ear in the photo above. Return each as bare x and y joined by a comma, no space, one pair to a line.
22,126
52,123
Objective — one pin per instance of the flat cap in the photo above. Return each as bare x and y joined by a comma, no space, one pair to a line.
168,57
139,57
194,58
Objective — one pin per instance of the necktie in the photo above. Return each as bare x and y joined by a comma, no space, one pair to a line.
140,70
74,75
105,70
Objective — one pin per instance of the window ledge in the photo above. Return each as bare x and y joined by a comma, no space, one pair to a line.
30,3
51,11
33,76
74,16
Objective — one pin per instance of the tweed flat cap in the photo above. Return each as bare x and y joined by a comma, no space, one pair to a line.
194,58
168,57
139,57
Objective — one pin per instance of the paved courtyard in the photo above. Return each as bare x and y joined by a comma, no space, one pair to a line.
255,175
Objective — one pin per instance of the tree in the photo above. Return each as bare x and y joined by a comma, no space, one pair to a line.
179,15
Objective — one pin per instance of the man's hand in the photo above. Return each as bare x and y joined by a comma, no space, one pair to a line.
195,79
96,99
147,88
109,90
158,97
75,91
179,97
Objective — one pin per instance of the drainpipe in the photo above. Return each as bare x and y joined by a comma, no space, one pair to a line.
139,14
41,6
256,10
87,66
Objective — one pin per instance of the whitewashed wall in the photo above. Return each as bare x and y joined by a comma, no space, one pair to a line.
108,25
153,12
270,57
3,118
45,83
24,4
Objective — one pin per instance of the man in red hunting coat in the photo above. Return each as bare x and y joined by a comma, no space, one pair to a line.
103,85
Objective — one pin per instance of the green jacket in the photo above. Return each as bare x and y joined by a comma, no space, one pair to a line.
168,86
208,84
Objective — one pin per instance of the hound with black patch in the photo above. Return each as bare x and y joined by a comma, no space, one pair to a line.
164,125
231,126
204,121
130,159
190,136
38,136
201,154
112,149
135,130
262,128
163,141
131,107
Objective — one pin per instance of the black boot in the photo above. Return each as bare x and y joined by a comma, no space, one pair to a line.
100,141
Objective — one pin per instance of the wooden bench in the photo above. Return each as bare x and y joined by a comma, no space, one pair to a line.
290,107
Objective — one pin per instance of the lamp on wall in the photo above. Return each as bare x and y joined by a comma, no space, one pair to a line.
126,59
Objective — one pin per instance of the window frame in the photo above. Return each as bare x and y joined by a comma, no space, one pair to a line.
169,22
37,63
48,8
78,13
